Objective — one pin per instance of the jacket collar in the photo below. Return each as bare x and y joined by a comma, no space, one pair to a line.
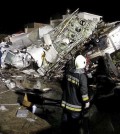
79,71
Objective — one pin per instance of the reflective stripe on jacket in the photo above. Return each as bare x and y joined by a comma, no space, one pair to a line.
71,107
75,90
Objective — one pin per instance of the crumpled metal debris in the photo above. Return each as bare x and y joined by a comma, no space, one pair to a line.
46,50
48,47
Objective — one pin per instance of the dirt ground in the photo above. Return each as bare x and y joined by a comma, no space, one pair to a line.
104,115
47,122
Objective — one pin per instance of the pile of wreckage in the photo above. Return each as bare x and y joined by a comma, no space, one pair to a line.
30,62
44,52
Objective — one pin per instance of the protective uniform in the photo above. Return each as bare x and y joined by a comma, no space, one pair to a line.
75,94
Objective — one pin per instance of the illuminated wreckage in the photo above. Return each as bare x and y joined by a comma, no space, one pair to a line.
44,52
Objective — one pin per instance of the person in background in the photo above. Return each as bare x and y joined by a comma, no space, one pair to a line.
75,95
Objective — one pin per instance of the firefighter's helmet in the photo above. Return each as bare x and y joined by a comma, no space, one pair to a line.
80,62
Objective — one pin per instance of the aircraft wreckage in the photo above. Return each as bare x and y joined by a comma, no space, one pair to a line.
43,53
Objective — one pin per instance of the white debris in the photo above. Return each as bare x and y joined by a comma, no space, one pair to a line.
37,85
37,54
34,108
22,113
30,119
3,108
10,84
46,89
44,30
37,110
30,72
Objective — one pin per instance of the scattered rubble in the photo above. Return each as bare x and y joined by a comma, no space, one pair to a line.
44,51
32,62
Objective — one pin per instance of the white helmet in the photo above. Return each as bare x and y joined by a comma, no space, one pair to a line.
80,62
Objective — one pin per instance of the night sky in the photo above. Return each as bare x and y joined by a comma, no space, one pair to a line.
15,14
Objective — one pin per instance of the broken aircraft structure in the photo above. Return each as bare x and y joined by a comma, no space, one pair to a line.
30,61
50,48
43,53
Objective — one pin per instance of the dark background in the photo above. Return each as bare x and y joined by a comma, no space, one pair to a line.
15,14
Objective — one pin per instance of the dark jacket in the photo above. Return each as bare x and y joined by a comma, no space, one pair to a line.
75,90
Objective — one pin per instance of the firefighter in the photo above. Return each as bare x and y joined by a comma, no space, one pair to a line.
75,95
